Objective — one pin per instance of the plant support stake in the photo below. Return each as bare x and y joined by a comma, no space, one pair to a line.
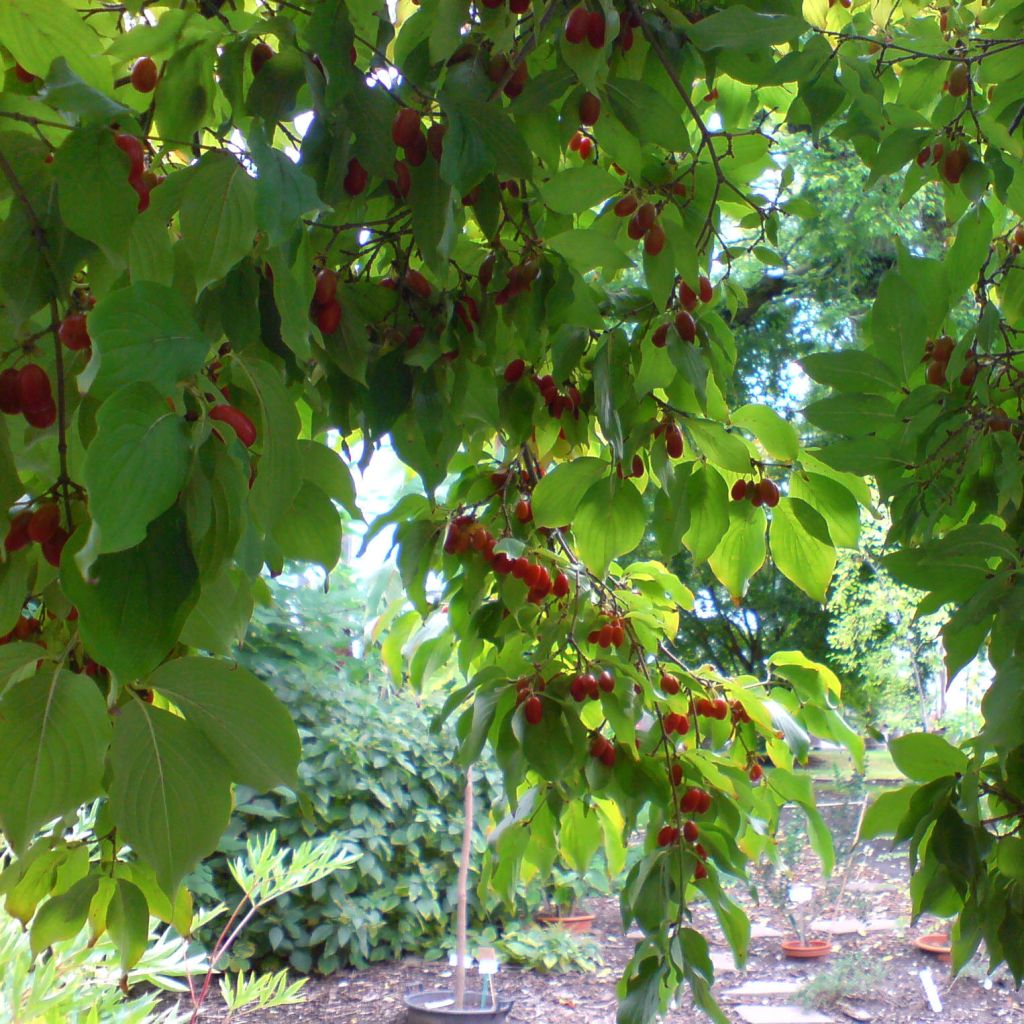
460,911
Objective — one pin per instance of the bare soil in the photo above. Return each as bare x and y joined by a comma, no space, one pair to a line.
874,889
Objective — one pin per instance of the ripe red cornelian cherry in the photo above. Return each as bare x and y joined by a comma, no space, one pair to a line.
144,75
237,420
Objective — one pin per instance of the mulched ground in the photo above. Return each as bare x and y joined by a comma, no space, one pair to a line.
874,889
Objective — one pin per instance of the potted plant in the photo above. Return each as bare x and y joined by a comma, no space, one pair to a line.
438,1006
563,896
800,899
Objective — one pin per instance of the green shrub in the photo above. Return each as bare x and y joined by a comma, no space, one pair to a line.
372,770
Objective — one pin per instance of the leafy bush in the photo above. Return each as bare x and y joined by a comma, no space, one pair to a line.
372,770
545,949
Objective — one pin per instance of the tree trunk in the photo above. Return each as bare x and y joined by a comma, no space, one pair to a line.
460,913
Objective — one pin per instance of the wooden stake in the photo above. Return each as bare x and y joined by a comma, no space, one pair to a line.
460,912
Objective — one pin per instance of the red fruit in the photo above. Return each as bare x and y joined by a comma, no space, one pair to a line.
520,567
261,53
705,708
954,163
55,545
667,835
10,392
756,772
486,272
17,532
416,150
936,373
969,374
608,756
690,832
355,178
625,39
502,564
700,872
673,441
237,420
606,681
73,332
701,852
493,4
577,25
690,801
599,745
654,240
646,216
959,80
41,416
924,156
532,576
686,326
415,336
519,6
514,86
524,512
660,336
739,490
405,127
22,75
578,691
637,469
533,709
328,317
326,287
707,291
942,350
676,774
590,685
515,370
721,709
435,140
590,109
586,148
634,228
768,493
132,147
560,586
687,296
669,683
625,207
595,29
618,635
604,636
45,522
34,387
705,802
144,74
670,723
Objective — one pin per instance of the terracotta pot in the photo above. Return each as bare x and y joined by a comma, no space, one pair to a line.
811,951
936,943
577,923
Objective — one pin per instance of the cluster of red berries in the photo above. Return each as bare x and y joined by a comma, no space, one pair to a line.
675,723
642,224
26,628
27,391
533,709
952,161
42,527
590,25
139,178
325,309
689,299
74,333
465,534
611,634
498,68
407,134
757,492
603,750
581,144
685,325
586,684
673,437
707,708
557,402
520,279
937,353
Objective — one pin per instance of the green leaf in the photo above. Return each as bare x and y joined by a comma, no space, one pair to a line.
836,505
898,324
741,551
433,215
707,497
579,836
170,790
778,437
284,194
579,188
185,91
219,619
558,495
802,548
239,716
54,733
721,448
850,371
310,530
134,468
38,32
132,615
63,916
885,813
96,200
647,115
142,334
960,560
128,923
610,522
324,467
924,756
218,216
741,29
